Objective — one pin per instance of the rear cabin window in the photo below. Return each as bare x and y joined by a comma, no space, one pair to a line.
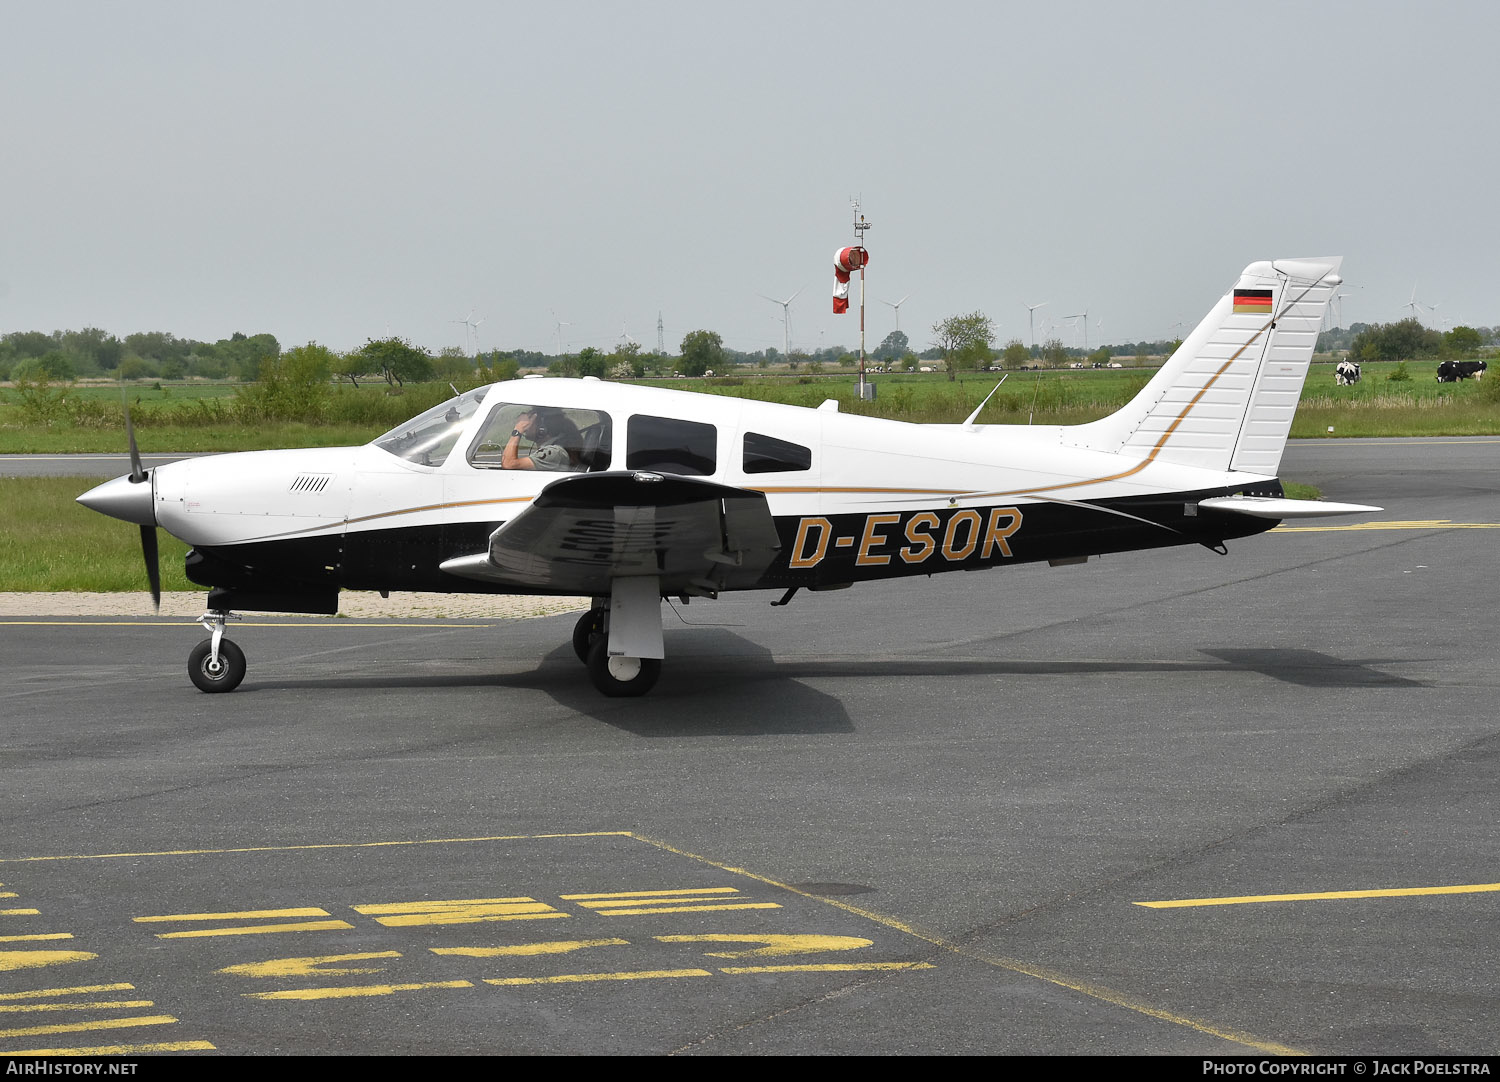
767,454
669,445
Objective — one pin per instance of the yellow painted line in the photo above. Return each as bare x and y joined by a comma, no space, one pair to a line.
1394,892
84,1027
316,966
30,938
832,967
616,903
36,959
545,912
248,914
25,1008
652,893
117,1049
685,909
435,907
9,894
20,912
563,946
260,929
584,978
317,846
357,991
78,990
772,946
1085,988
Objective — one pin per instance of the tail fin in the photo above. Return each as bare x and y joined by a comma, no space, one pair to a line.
1225,399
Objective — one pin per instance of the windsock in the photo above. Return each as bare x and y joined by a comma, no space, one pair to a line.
844,261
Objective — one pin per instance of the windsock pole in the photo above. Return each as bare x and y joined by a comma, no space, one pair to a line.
860,225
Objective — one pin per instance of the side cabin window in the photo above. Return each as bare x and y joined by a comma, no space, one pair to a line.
669,445
564,440
767,454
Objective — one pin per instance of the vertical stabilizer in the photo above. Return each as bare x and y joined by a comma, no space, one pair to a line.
1225,399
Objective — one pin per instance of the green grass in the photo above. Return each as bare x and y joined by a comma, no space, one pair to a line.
48,542
204,417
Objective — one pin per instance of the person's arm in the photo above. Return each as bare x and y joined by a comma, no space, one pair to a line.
510,458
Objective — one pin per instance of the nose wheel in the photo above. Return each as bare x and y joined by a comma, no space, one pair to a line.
216,664
621,677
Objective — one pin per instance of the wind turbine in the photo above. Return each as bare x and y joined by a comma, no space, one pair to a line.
560,326
786,319
1415,305
1084,318
897,307
1031,321
471,330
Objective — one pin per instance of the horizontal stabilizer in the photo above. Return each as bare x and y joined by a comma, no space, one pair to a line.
1268,507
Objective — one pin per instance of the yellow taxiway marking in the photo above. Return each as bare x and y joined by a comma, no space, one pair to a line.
27,1008
636,895
324,965
562,946
248,914
20,912
318,846
83,1027
1085,988
36,959
1410,524
1315,896
461,911
832,967
260,929
583,978
715,908
77,990
772,946
33,938
117,1049
357,991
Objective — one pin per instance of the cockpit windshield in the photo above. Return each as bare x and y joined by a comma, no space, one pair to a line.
427,439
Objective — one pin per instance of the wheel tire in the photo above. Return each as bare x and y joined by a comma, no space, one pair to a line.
588,630
621,677
230,672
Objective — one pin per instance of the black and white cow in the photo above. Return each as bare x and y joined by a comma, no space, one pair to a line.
1346,374
1453,371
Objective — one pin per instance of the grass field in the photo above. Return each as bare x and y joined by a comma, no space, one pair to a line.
201,416
48,542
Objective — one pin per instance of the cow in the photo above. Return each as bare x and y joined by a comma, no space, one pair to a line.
1346,374
1453,371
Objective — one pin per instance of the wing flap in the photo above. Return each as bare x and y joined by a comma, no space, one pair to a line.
585,530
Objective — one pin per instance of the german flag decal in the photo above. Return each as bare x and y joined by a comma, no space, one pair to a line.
1253,301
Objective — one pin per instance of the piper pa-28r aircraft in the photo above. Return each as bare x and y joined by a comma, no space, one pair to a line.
658,493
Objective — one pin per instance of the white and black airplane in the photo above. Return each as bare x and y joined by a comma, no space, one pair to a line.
638,493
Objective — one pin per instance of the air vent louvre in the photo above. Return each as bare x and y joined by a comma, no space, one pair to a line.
311,482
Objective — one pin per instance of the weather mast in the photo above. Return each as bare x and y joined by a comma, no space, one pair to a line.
845,262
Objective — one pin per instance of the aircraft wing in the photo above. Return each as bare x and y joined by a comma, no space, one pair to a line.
585,530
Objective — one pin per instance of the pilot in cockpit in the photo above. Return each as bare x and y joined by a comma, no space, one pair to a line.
557,443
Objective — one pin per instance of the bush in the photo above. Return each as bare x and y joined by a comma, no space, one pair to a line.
1399,374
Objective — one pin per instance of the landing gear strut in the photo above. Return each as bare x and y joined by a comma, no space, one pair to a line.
216,664
619,638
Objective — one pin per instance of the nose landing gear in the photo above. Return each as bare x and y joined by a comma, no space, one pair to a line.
216,664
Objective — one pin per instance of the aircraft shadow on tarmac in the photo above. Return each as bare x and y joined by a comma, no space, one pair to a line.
719,683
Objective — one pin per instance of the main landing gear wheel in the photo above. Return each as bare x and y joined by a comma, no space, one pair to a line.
621,677
225,675
588,630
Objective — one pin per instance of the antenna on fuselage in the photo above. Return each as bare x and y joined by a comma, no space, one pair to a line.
969,424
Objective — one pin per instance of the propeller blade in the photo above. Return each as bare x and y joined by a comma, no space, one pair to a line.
153,564
137,475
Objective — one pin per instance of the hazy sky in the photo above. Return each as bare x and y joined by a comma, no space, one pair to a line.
338,171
